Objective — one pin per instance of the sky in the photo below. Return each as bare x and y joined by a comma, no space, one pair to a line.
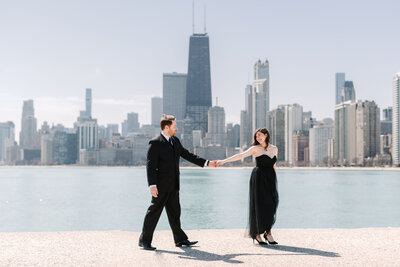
50,51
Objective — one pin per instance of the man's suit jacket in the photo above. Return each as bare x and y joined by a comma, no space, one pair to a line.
163,163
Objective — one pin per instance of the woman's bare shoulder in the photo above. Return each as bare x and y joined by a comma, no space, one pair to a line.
255,149
273,146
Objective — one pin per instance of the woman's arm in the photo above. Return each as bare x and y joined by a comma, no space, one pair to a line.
249,152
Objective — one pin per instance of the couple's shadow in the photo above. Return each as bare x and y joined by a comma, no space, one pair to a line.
192,253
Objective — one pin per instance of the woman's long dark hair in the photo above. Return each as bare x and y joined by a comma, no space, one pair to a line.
264,131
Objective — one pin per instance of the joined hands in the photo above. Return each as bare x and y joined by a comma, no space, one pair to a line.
216,163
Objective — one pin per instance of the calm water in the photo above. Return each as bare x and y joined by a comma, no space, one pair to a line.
62,199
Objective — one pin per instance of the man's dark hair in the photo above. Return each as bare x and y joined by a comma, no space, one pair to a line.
166,120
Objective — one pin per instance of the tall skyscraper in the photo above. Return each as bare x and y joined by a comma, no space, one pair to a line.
259,103
65,147
387,113
256,103
233,135
340,78
261,70
156,110
319,142
356,132
293,123
386,123
348,92
344,134
88,134
367,130
7,138
46,148
89,102
396,122
216,134
198,87
28,136
300,148
244,133
174,95
133,122
246,119
276,127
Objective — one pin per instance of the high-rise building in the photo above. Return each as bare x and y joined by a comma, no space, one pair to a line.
246,119
259,103
356,132
156,110
244,133
65,145
29,138
132,122
293,123
340,78
174,95
216,134
261,70
233,135
88,134
88,141
367,130
46,147
386,123
344,133
396,122
7,138
196,135
300,148
198,87
276,127
387,114
110,130
385,143
256,103
89,102
319,143
348,92
187,133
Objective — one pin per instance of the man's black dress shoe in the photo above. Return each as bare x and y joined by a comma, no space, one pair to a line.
186,243
146,246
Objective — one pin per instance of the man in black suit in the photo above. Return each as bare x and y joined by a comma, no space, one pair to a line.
162,166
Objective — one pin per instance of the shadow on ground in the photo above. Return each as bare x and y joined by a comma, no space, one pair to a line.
304,251
192,253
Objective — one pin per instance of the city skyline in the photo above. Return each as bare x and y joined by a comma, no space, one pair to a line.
53,72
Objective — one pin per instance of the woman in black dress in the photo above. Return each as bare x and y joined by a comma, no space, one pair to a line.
264,197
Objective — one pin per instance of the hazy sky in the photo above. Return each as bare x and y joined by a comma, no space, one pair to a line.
50,51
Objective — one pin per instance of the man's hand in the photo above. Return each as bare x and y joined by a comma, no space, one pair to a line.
213,163
153,190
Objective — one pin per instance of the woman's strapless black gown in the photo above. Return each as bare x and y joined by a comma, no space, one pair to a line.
264,196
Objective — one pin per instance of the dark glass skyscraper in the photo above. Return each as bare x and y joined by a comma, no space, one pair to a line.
198,86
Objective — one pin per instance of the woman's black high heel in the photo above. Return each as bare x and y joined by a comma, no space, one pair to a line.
269,242
262,243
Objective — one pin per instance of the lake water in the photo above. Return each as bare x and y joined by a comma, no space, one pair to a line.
64,199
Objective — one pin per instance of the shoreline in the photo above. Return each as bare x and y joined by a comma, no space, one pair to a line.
200,168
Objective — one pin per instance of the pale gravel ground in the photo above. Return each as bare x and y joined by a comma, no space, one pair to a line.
297,247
